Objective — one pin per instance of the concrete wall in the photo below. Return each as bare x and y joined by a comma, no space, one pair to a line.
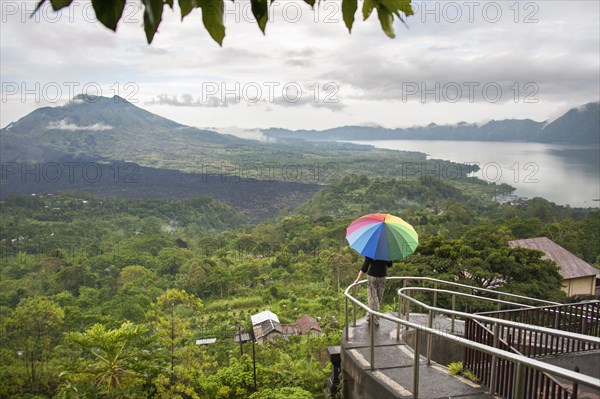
443,351
357,383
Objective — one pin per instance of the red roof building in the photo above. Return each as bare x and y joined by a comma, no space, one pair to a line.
307,325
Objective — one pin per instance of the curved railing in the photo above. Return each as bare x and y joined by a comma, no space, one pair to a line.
496,353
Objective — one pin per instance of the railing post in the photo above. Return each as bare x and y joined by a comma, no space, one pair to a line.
575,386
429,337
431,316
354,309
517,393
416,365
453,309
372,324
347,318
406,306
400,305
494,360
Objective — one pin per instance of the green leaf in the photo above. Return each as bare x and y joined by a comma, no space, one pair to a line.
58,4
37,8
186,7
109,12
387,21
260,9
212,17
406,7
397,6
310,2
349,8
153,10
368,6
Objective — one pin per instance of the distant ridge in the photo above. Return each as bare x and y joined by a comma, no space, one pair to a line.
579,125
95,127
102,127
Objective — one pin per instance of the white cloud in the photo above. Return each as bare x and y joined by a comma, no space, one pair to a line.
553,44
250,134
187,100
66,125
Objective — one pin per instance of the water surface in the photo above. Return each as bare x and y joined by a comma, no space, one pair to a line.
564,174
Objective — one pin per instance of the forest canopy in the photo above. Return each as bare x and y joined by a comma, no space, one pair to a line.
107,297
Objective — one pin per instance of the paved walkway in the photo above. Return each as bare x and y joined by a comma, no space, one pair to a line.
394,363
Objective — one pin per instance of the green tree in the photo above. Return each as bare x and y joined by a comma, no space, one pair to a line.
172,316
136,274
137,288
192,278
73,277
232,381
195,366
115,364
340,266
483,258
220,277
170,260
282,393
34,331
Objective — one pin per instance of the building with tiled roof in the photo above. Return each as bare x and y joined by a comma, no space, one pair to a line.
307,325
266,326
579,277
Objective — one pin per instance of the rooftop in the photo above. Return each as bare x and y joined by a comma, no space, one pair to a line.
570,265
306,323
263,316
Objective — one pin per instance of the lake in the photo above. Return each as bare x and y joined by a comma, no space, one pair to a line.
564,174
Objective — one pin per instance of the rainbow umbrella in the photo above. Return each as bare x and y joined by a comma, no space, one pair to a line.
382,236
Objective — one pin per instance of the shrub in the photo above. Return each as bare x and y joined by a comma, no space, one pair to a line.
456,368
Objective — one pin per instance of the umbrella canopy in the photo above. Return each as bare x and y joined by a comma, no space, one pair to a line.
382,236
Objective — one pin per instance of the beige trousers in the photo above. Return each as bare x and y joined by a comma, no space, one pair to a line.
375,290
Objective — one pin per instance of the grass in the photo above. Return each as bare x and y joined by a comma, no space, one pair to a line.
456,368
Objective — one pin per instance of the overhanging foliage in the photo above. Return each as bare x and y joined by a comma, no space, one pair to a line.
109,13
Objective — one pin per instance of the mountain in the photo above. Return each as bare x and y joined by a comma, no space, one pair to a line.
509,130
18,148
506,130
578,126
110,147
106,128
91,113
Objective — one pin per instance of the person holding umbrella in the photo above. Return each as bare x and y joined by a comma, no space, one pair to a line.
376,271
380,238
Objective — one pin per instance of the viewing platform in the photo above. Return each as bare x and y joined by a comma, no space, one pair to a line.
526,348
393,374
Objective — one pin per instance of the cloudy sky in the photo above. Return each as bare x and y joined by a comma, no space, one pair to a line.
453,61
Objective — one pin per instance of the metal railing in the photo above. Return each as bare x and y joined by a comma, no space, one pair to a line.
583,318
578,317
537,384
497,353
